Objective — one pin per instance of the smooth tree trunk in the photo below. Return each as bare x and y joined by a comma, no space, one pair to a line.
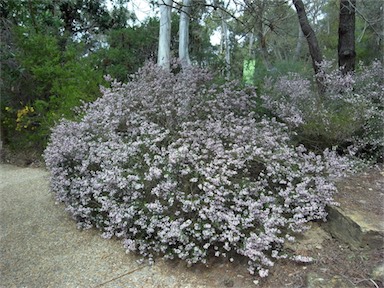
164,51
346,45
313,45
225,37
250,45
225,42
184,33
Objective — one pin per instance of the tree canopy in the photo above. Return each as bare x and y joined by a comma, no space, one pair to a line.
54,54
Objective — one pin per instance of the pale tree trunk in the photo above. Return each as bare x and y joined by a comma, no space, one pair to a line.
346,45
225,42
225,37
251,41
224,45
184,33
164,51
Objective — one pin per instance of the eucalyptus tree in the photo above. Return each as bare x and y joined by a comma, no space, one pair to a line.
225,41
185,12
164,50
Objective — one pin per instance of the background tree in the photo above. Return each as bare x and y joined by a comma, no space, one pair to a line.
346,46
310,35
164,52
45,57
225,43
185,12
53,56
369,31
129,48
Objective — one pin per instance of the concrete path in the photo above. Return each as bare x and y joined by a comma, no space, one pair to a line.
40,246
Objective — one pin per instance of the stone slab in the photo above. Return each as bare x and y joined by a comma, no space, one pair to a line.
359,229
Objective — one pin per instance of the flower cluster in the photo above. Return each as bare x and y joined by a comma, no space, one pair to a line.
349,114
178,166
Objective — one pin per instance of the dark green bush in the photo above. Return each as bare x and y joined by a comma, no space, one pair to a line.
55,81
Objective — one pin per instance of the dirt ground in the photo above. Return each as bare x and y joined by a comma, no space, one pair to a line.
364,191
333,259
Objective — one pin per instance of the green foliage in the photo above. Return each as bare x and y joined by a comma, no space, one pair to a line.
332,124
57,81
349,115
368,31
201,50
128,49
53,55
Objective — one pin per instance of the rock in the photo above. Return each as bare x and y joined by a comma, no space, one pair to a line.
315,280
378,273
357,229
310,240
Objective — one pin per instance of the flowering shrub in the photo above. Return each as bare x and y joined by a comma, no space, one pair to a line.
180,167
350,114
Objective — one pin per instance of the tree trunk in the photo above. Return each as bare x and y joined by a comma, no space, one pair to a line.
313,45
309,34
346,45
261,36
164,51
250,45
225,35
184,33
299,44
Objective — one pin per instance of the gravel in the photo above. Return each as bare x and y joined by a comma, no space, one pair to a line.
40,246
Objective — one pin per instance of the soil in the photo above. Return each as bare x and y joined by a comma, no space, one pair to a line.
25,158
364,191
332,258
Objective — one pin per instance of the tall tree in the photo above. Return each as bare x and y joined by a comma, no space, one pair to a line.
261,33
299,45
309,34
313,45
226,42
225,39
164,51
346,44
184,33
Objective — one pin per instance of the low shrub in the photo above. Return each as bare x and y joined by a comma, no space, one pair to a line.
349,115
180,167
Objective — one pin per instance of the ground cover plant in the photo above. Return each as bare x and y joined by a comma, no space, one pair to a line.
348,115
178,166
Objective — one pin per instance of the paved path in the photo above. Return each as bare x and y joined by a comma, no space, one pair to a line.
40,246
